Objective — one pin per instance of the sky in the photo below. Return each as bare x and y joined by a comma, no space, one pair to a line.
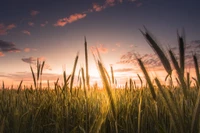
54,31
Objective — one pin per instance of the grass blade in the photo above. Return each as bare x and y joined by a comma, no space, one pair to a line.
196,68
147,78
33,75
86,65
73,72
158,51
181,52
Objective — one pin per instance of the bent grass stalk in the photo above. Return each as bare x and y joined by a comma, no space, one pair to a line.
158,51
179,73
109,92
147,78
73,72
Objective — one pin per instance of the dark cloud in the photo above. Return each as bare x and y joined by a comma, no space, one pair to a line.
29,60
8,47
32,60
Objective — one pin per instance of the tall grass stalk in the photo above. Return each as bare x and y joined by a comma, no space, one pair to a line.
196,68
153,93
86,66
140,110
179,73
158,51
19,87
73,72
181,41
112,74
109,92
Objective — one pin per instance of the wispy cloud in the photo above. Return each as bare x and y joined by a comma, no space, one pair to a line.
32,61
96,7
4,29
26,32
11,26
124,70
7,47
72,18
27,49
110,3
44,24
30,23
34,13
153,62
102,48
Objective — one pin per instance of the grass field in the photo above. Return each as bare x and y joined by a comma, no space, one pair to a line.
151,108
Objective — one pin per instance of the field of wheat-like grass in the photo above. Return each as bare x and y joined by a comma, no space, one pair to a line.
150,108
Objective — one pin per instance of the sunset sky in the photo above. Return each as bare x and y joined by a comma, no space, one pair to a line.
54,30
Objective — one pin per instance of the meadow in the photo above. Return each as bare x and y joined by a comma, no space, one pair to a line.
66,108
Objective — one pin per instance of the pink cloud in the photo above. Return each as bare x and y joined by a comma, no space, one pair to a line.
34,13
1,54
110,2
27,49
30,23
97,7
4,29
11,26
102,49
26,32
44,24
72,18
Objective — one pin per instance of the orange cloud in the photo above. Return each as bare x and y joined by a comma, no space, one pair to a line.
34,13
97,7
102,49
4,29
26,32
72,18
30,23
110,2
27,49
